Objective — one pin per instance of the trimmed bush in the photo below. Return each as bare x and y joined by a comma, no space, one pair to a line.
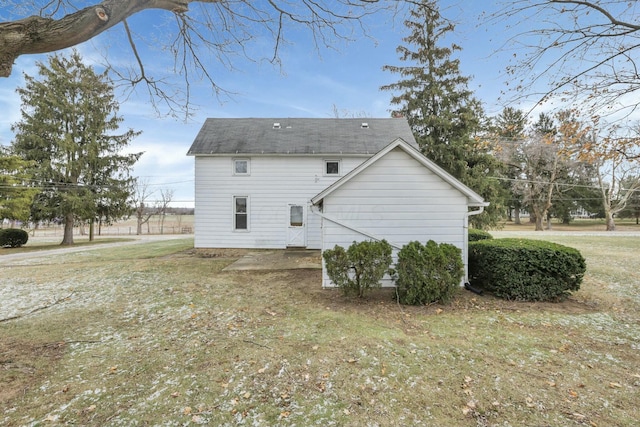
359,268
475,235
525,270
13,237
428,273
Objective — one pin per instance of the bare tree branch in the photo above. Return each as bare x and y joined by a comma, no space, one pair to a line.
579,51
199,39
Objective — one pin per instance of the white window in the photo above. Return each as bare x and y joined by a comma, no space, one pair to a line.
332,167
241,166
241,213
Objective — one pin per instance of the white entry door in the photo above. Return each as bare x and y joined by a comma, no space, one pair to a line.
296,225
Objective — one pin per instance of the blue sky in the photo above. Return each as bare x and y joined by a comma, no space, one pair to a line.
309,83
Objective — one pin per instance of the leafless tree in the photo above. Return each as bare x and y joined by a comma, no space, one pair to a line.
166,196
542,161
617,175
576,50
199,34
140,199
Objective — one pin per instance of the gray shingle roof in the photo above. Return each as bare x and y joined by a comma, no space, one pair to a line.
298,136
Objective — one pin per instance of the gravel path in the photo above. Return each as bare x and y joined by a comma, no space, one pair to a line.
6,257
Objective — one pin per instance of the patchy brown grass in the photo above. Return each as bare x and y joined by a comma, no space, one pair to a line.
161,335
24,364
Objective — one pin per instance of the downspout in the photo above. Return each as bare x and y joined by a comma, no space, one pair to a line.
466,240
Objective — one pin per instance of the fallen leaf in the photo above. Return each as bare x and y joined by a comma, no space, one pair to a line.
615,385
187,410
175,394
573,393
246,395
530,403
284,414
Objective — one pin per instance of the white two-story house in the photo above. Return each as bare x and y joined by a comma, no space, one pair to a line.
314,183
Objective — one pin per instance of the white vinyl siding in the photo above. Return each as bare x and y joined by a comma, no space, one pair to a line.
274,183
398,199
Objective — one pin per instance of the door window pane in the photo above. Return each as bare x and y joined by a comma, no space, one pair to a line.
296,216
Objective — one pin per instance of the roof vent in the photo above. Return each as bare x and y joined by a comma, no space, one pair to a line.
276,125
364,125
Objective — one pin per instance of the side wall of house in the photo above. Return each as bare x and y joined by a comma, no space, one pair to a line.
273,182
397,199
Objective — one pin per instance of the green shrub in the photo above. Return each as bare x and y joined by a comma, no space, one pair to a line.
527,270
428,273
475,235
13,237
359,268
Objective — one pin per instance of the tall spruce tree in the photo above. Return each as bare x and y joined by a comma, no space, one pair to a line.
16,191
443,113
69,131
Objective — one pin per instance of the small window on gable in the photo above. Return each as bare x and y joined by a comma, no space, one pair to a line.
332,167
241,166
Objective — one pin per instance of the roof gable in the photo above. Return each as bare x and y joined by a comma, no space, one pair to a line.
473,198
251,136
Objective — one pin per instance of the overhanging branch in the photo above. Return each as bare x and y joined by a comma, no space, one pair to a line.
36,34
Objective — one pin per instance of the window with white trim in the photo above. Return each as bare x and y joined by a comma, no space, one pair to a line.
332,167
241,166
241,213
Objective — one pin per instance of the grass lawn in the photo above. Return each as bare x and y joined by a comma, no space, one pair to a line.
158,334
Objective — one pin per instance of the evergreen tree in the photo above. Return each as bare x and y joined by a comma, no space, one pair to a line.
441,110
16,193
68,125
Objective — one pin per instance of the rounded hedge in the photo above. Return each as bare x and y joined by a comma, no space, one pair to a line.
475,235
428,273
526,270
13,237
